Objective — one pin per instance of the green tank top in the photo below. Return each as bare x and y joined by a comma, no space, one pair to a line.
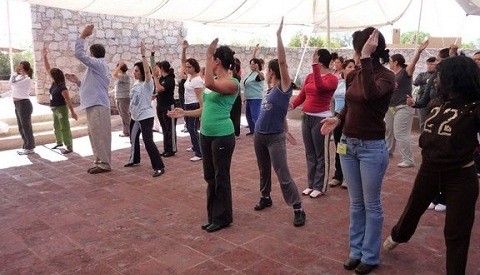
215,119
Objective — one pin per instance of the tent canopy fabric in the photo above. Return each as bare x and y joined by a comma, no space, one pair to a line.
471,7
344,15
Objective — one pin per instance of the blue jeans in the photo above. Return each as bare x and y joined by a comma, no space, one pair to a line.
363,167
252,111
192,125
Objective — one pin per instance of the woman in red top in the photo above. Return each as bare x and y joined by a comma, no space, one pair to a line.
316,94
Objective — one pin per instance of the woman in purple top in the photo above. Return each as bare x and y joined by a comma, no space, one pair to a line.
271,130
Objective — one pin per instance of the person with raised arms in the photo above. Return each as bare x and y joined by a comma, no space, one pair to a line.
271,133
217,139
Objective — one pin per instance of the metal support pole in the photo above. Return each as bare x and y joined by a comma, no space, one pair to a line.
10,51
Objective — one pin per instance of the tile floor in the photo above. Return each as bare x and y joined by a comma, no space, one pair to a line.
57,219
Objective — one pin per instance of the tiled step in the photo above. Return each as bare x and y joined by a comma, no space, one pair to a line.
48,136
44,126
35,118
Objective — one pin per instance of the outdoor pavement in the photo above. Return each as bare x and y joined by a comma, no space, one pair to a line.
55,218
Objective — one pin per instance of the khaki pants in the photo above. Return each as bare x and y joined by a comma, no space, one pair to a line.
123,106
398,123
100,134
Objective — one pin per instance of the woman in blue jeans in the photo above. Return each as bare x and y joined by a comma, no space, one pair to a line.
194,87
362,148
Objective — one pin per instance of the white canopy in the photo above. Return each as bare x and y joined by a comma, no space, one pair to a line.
471,7
344,14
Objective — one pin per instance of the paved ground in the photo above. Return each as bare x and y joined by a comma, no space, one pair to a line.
57,219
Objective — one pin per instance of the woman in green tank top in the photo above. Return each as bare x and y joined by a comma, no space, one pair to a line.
217,140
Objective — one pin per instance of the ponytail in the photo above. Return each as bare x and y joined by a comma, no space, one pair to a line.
226,56
27,68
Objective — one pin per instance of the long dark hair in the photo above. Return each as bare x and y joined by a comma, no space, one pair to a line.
400,60
459,79
236,69
194,63
324,57
165,66
381,54
226,56
57,75
27,68
139,65
275,67
258,62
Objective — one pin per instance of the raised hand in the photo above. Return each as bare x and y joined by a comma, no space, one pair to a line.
72,78
423,46
45,51
185,44
212,47
142,48
279,31
453,50
371,44
156,71
153,49
315,56
87,31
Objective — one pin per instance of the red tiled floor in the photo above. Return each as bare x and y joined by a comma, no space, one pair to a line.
56,218
210,267
239,258
267,266
67,260
151,267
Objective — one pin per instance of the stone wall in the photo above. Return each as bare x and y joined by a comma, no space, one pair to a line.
58,29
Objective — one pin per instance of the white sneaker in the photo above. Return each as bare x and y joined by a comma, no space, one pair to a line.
195,158
344,184
316,194
389,244
189,149
307,191
334,183
440,207
26,152
431,206
405,164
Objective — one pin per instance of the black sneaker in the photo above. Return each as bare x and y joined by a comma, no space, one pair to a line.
57,146
264,203
300,218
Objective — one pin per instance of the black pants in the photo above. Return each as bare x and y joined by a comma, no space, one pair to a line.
461,192
337,134
217,157
236,115
168,128
23,112
145,127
